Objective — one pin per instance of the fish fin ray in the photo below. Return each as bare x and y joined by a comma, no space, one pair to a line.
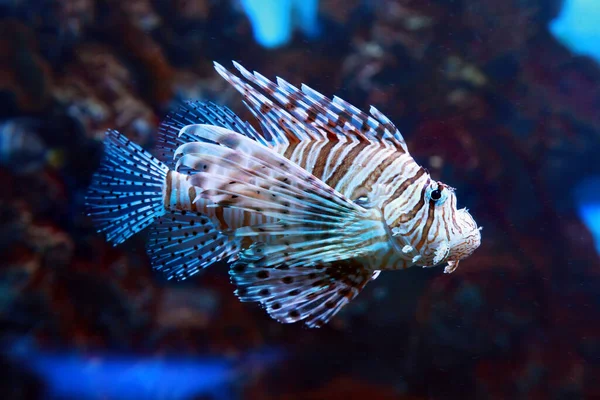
310,294
182,243
322,224
198,112
322,118
125,195
282,127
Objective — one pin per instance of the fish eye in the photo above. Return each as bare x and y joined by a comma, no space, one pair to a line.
437,193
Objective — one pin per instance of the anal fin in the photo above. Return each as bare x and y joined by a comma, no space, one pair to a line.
182,243
310,294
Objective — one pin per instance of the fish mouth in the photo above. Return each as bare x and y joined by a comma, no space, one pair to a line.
449,252
464,248
451,267
464,245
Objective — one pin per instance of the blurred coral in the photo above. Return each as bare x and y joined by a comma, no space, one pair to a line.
75,15
405,23
25,77
192,9
98,90
339,11
140,12
350,389
487,100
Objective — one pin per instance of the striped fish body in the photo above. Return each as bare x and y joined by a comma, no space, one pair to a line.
420,214
367,173
307,211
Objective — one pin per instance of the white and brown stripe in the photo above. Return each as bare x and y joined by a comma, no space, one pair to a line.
179,194
354,153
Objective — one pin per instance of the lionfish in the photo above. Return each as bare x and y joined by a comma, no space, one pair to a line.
307,211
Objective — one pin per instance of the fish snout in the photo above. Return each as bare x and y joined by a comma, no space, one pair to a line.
467,243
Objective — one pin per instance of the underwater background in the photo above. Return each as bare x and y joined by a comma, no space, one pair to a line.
498,98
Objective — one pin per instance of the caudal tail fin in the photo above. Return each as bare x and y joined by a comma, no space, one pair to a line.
126,193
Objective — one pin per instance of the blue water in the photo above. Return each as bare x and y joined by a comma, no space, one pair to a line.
587,198
578,27
116,376
273,22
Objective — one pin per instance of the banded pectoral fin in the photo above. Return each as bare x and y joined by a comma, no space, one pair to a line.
316,224
310,294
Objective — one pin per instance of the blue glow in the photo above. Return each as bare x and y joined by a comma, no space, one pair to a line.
577,27
587,198
305,17
112,376
273,21
126,378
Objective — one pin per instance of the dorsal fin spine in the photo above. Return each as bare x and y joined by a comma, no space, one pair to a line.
309,115
271,89
262,105
277,139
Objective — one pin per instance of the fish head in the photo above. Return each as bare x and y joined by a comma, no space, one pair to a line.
437,232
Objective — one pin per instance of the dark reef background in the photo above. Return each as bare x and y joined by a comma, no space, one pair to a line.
487,99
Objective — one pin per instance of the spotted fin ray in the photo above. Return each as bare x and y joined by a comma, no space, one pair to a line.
182,243
316,223
312,294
